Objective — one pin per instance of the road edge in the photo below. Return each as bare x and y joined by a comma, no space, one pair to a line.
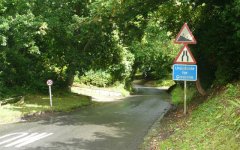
153,130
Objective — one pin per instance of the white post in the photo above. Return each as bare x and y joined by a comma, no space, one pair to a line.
50,95
185,97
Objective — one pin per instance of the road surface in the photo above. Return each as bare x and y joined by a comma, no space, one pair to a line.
119,125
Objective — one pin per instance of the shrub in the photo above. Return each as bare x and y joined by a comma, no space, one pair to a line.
97,78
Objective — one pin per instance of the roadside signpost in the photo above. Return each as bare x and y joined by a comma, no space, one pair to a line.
50,83
184,68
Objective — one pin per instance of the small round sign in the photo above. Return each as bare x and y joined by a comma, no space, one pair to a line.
49,82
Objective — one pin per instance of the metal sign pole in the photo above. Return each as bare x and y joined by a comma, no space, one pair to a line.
50,95
185,97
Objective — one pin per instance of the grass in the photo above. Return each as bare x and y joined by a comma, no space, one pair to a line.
119,88
215,124
35,103
178,95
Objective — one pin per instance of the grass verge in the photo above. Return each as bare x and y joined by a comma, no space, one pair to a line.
214,124
38,103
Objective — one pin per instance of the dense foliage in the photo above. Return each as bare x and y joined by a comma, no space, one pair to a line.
54,39
215,25
41,39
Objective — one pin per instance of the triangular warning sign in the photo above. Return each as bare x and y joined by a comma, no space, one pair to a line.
185,36
185,56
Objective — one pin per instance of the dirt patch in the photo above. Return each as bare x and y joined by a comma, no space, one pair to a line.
98,94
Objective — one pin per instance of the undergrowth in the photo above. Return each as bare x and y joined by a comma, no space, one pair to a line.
178,95
214,125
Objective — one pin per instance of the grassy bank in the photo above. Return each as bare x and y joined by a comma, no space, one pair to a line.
214,124
38,103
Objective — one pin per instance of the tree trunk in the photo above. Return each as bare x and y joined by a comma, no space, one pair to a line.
70,77
199,88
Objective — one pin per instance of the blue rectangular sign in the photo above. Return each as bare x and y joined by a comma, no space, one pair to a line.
185,72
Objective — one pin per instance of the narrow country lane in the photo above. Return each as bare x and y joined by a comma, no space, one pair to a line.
119,125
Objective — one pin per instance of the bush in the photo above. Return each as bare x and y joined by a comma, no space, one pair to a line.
97,78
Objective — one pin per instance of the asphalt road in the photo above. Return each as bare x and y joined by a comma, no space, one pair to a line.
119,125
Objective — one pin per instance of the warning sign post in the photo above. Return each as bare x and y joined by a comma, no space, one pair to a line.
184,68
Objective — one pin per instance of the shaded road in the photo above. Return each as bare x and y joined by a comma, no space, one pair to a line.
119,125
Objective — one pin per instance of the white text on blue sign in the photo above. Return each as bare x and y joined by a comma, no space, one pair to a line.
184,72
